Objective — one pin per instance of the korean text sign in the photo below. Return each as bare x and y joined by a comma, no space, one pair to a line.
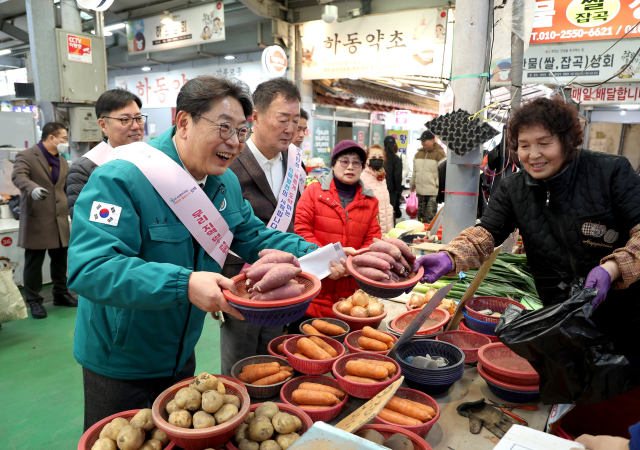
378,45
607,94
584,20
79,49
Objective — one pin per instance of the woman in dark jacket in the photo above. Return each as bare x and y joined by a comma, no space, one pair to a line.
393,169
578,213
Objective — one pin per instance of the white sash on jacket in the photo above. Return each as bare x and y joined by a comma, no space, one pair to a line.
293,178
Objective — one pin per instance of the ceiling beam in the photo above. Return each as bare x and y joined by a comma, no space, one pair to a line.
14,31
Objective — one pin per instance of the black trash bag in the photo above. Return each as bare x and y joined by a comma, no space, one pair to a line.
14,206
576,362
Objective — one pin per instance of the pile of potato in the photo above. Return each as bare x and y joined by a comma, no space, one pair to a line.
203,404
272,277
418,301
369,371
265,374
323,328
396,441
388,261
314,348
405,412
315,396
361,305
139,434
375,340
268,429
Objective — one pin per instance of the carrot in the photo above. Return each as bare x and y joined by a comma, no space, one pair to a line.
309,348
280,349
324,346
362,380
287,368
377,335
304,397
327,328
429,409
401,406
385,247
259,366
314,407
255,374
300,355
390,345
391,367
362,369
371,344
322,388
397,418
367,260
310,330
272,379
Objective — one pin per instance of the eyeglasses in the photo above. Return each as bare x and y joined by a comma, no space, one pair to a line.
227,129
127,121
345,163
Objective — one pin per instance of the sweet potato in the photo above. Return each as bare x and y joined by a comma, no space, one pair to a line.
366,260
324,346
266,251
304,397
289,290
362,380
377,335
360,368
278,257
309,329
393,277
371,273
385,247
256,273
309,348
372,344
404,248
327,328
402,406
322,388
385,256
397,418
400,269
391,368
405,264
277,276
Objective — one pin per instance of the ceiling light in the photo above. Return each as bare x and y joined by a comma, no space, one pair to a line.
353,78
6,51
360,101
116,26
146,68
623,113
229,57
419,91
329,13
167,18
630,106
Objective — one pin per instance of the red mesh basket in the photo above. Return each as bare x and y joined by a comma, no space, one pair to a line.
351,341
266,391
501,383
436,320
341,323
93,434
284,407
361,390
203,438
326,415
273,345
358,323
467,341
502,363
495,304
311,366
463,327
419,397
389,430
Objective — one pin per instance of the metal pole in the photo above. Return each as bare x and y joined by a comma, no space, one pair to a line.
469,57
99,29
517,55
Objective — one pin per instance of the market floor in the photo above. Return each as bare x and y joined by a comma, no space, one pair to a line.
41,382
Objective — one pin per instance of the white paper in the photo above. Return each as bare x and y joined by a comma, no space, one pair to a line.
524,438
319,262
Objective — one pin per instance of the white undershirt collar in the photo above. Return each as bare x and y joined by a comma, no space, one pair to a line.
201,181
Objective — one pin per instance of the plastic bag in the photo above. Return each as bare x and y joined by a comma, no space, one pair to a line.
576,362
11,305
412,205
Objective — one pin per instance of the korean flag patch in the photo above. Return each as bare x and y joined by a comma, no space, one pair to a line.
105,213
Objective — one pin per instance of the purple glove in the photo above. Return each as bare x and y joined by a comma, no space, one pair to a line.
435,266
600,279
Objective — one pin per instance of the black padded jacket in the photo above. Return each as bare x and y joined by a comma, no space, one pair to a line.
79,174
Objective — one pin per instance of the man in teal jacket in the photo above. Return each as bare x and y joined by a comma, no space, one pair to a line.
145,285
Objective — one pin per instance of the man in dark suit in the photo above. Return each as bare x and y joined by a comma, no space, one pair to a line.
261,168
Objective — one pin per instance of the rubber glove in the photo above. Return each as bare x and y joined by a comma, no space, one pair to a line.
482,415
600,279
39,194
435,266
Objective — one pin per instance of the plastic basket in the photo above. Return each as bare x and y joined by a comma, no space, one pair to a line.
514,387
93,434
326,415
272,348
509,392
189,439
379,289
311,366
463,327
439,317
419,397
267,391
431,389
274,312
479,326
361,390
389,430
358,323
431,381
351,341
341,323
467,341
500,362
495,304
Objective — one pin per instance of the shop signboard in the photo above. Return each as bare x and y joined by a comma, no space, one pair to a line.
584,20
446,101
401,137
377,134
410,42
199,25
322,140
608,94
401,116
79,49
160,90
569,60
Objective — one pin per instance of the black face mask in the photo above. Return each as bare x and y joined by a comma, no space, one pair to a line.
376,164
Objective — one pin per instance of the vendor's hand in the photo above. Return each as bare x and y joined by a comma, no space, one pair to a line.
435,266
599,278
39,194
205,292
338,270
603,442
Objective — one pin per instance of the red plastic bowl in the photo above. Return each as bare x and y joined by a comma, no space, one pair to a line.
388,430
273,345
361,390
203,438
241,297
326,415
463,327
500,362
402,322
419,397
358,323
311,366
495,304
351,341
93,434
467,341
513,387
284,407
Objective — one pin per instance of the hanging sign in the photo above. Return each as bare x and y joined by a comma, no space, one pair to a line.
446,101
401,137
401,116
79,49
199,25
274,61
612,94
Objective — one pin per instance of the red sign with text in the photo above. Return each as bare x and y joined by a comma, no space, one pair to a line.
79,49
6,242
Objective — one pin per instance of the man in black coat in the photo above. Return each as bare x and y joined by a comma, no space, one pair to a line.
393,168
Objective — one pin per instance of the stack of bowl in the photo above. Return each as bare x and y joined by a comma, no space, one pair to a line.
431,328
467,341
463,327
416,337
484,323
509,376
431,381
